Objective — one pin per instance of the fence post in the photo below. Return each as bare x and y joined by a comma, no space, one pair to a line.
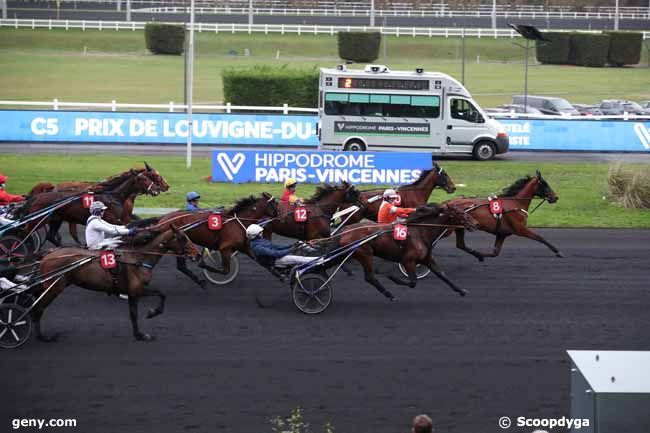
67,24
282,28
171,106
285,108
83,25
113,106
49,24
228,109
56,104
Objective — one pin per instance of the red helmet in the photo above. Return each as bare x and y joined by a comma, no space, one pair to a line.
3,178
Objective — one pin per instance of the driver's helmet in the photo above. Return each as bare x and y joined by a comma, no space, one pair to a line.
97,208
290,182
390,194
193,195
253,231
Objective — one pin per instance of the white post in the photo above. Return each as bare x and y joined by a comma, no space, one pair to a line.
250,12
189,78
494,14
128,10
372,13
616,16
4,9
119,5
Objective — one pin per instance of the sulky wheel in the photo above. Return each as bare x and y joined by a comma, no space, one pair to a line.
13,248
15,326
35,241
312,293
23,299
421,271
213,259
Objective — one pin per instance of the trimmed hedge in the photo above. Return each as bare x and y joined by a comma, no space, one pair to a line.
555,52
590,49
164,38
624,48
268,86
359,47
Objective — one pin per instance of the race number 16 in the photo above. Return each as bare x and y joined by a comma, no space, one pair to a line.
107,260
87,200
300,215
400,232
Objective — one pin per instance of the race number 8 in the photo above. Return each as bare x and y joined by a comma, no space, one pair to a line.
495,206
300,215
107,260
214,221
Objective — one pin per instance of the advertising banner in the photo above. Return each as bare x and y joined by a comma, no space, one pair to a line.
164,128
270,166
587,135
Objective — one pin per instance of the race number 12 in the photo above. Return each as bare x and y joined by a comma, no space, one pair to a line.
300,215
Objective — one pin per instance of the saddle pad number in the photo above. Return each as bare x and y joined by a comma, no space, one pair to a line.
87,200
300,214
107,260
398,200
496,206
214,221
400,232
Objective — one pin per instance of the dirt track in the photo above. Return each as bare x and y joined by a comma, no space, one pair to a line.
221,364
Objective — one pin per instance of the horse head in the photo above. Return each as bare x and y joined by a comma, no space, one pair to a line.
443,180
544,190
352,194
256,207
179,243
143,184
158,180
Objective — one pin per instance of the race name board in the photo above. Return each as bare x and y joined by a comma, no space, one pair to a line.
273,166
382,128
586,135
163,128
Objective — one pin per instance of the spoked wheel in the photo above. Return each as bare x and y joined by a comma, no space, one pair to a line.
312,294
421,271
36,241
15,326
25,300
213,259
12,247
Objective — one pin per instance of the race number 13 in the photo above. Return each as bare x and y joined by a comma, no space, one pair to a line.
400,232
87,200
300,215
107,260
214,221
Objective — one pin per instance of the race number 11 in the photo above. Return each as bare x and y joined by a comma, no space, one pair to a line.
87,200
107,260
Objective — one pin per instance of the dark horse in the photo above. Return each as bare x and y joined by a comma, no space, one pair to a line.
516,201
232,235
136,264
114,192
425,225
412,195
320,208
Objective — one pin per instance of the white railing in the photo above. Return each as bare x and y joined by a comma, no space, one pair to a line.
171,106
299,29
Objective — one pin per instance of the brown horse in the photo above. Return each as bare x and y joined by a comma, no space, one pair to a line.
114,192
425,226
136,264
513,221
320,208
230,238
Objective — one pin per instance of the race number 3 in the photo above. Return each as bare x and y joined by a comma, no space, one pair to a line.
107,260
300,215
87,200
400,232
496,206
214,221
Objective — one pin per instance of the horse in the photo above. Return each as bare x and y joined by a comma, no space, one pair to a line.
513,220
136,264
319,210
412,195
114,192
427,224
229,238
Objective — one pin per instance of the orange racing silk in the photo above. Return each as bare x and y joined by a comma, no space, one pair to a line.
388,213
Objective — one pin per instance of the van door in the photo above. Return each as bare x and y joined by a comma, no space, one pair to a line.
464,123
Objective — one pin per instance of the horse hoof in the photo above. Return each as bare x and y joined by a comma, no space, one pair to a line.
392,298
145,337
48,338
559,254
203,284
463,292
480,258
152,313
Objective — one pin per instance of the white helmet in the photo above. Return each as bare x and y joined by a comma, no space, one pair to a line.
97,207
390,193
253,231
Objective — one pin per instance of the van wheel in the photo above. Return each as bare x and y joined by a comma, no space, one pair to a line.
354,146
484,151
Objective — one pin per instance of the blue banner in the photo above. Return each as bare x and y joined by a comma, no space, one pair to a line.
165,128
588,135
269,166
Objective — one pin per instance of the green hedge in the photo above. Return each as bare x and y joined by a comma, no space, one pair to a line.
164,38
268,86
624,48
359,47
590,49
555,52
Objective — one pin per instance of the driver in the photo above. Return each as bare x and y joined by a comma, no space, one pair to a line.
269,254
289,195
9,273
5,197
99,233
389,211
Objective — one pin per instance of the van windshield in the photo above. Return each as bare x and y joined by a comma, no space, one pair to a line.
562,104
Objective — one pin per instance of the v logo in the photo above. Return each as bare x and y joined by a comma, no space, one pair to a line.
229,166
643,134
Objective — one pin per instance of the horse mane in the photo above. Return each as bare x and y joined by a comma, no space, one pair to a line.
420,179
113,182
146,222
424,211
242,204
322,191
516,187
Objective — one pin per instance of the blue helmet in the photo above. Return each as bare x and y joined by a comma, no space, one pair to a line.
193,195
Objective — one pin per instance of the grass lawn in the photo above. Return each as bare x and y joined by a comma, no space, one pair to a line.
580,186
48,64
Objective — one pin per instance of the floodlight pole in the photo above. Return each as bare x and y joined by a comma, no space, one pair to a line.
4,9
494,14
190,83
526,78
462,55
616,16
372,13
250,12
128,10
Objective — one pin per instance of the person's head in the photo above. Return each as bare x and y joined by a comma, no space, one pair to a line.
3,180
422,424
253,231
193,197
290,184
97,208
390,195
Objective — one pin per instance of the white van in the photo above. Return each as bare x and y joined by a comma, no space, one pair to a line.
378,109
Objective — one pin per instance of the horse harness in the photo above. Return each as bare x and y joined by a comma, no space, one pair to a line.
499,214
